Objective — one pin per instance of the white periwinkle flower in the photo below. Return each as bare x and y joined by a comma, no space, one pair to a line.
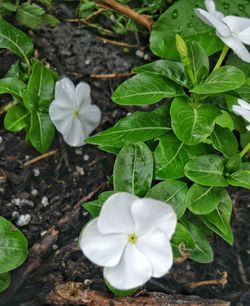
72,113
243,110
131,240
232,30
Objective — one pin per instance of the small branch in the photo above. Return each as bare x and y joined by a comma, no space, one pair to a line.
91,25
222,281
111,75
144,20
117,43
40,157
100,11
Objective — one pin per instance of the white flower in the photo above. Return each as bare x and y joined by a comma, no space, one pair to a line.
131,240
72,113
232,30
243,110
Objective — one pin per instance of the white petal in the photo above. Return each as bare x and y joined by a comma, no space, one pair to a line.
248,127
74,135
132,271
116,216
150,214
213,21
157,249
237,46
65,93
83,94
61,117
103,250
236,24
242,112
210,6
244,36
244,104
90,118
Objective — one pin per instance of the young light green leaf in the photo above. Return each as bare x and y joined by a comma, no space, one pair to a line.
140,126
16,118
224,79
13,245
172,192
15,40
224,141
202,200
225,120
207,170
240,178
169,69
219,220
30,99
118,292
12,86
171,155
4,281
133,169
192,124
30,15
42,131
145,88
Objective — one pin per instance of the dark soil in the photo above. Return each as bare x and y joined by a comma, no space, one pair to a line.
73,174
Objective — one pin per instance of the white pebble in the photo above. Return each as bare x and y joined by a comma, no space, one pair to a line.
78,152
45,201
23,220
43,233
1,139
34,192
87,62
80,170
36,171
139,53
20,202
54,247
15,214
27,157
86,157
146,57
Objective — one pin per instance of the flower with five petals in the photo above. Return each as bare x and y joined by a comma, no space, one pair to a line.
243,110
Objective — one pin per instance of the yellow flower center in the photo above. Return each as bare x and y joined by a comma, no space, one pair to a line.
76,113
132,238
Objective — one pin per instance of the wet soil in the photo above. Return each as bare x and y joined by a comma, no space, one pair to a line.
74,173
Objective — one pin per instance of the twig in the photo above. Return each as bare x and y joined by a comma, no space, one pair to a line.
144,20
91,25
222,281
111,75
40,157
96,13
117,43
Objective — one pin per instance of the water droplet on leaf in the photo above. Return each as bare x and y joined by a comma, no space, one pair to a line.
174,14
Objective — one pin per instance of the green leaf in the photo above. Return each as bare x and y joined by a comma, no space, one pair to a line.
202,200
12,86
240,178
182,242
30,15
145,88
243,92
219,220
224,79
233,164
140,126
172,192
30,99
42,131
206,170
17,118
94,207
171,156
224,141
51,20
191,124
10,7
13,245
169,69
225,120
118,292
15,40
41,81
4,281
133,169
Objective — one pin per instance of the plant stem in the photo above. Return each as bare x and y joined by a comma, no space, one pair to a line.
7,106
222,57
245,150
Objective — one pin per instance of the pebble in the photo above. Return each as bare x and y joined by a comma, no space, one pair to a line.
87,282
36,171
45,201
20,202
139,53
15,214
146,57
78,152
54,247
34,192
87,62
43,233
1,139
23,220
86,157
80,170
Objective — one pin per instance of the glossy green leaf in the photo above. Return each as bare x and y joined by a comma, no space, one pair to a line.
172,192
145,88
182,242
30,15
169,69
206,170
94,207
30,99
16,118
225,120
202,200
191,124
42,131
13,245
233,164
12,86
243,91
240,178
15,40
224,141
140,126
133,169
219,220
224,79
171,156
4,281
118,292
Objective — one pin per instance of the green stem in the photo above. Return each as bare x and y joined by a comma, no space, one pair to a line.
222,57
245,150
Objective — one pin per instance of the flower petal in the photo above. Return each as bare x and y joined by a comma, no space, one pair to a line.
238,110
74,135
244,36
150,214
103,250
210,6
83,94
157,249
213,21
116,216
65,94
90,118
244,104
248,127
132,271
237,46
236,24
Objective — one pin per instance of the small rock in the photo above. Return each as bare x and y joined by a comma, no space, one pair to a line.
139,53
80,170
87,62
34,192
78,152
27,157
45,201
36,171
1,139
87,282
23,220
22,202
85,157
146,57
54,247
15,214
43,233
